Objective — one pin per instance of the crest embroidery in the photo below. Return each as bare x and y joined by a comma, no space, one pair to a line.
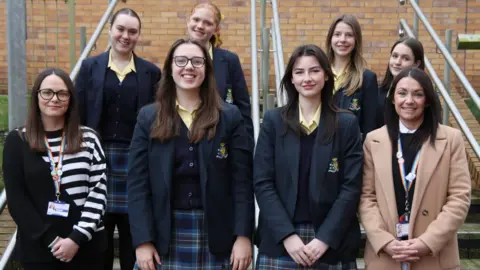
222,151
229,98
354,106
333,166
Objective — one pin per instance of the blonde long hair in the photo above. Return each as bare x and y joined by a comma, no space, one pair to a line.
354,73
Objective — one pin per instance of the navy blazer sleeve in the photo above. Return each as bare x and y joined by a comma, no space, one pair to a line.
140,210
241,97
240,161
368,115
344,208
81,85
268,200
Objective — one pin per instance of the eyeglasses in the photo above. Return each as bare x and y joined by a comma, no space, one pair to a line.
47,94
182,61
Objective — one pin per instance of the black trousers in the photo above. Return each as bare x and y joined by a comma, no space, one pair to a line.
127,254
85,263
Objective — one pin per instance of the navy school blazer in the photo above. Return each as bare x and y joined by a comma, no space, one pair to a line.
226,183
89,86
363,103
229,75
335,183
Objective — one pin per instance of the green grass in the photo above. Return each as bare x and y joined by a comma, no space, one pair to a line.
473,108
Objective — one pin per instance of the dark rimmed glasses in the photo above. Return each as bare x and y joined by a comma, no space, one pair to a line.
182,61
47,94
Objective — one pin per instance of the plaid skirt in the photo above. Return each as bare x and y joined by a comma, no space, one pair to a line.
306,232
188,249
116,155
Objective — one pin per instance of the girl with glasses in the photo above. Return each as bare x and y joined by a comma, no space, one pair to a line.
54,173
112,87
203,25
190,193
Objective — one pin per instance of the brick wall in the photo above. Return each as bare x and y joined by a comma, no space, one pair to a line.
303,21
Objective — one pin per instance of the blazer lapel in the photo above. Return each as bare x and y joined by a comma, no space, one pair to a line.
166,153
429,158
382,160
291,144
321,156
143,81
220,69
98,71
205,153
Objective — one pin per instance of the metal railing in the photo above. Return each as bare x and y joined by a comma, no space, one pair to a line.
451,62
446,96
3,197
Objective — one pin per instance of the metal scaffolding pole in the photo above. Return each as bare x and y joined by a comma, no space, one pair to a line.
17,63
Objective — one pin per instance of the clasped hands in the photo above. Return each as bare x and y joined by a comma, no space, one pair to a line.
407,250
302,254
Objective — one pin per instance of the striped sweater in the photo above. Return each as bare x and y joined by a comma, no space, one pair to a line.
30,187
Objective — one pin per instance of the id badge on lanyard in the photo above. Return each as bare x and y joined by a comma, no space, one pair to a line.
57,207
403,225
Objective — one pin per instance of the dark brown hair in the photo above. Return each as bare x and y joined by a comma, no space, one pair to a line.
289,112
431,112
417,50
354,74
167,123
129,12
35,131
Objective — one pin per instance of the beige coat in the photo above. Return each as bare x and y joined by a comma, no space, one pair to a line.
440,202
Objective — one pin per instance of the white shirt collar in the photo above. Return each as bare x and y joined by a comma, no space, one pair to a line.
403,129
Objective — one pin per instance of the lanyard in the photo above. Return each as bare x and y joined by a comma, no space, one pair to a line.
407,180
56,170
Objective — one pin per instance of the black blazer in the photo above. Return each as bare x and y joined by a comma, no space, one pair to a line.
334,185
363,103
226,183
89,86
229,75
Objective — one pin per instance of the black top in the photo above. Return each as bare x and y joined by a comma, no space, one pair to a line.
30,188
120,107
382,97
187,193
302,209
409,152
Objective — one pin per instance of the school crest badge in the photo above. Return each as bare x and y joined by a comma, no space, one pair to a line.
354,106
229,98
222,151
333,166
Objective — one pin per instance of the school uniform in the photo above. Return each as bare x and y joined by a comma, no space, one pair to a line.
362,103
191,200
30,191
231,84
439,197
306,187
109,101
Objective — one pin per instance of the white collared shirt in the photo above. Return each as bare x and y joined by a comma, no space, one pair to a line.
403,129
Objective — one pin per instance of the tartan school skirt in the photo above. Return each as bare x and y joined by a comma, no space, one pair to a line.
188,248
306,232
116,155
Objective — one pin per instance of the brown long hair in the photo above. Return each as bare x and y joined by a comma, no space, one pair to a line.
215,40
167,123
35,131
354,78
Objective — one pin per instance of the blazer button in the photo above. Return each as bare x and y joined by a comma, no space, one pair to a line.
425,212
190,194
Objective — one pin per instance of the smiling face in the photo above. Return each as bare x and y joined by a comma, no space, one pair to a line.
401,58
308,77
409,100
124,33
49,103
188,67
343,40
202,25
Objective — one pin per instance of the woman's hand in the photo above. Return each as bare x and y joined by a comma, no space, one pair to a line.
146,253
295,248
241,257
65,249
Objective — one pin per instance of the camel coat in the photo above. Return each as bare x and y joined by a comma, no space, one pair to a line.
440,202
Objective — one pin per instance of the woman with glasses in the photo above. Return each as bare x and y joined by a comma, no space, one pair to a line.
112,87
190,193
54,173
203,25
